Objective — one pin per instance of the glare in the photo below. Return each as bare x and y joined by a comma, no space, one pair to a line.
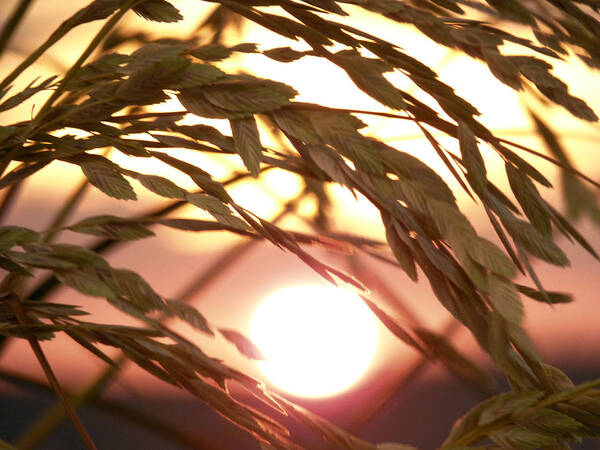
317,340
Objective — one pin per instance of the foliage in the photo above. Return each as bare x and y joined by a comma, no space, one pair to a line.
108,100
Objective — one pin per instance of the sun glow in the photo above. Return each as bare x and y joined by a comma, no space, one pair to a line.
317,340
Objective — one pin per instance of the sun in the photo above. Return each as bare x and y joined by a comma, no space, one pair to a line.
317,340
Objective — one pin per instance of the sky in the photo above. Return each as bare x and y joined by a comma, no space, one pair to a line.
173,259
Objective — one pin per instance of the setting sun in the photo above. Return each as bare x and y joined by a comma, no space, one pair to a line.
317,340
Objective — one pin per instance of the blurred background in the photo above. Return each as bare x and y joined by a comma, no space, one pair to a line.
400,397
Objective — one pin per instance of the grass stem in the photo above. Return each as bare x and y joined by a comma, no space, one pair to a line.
51,419
41,357
12,24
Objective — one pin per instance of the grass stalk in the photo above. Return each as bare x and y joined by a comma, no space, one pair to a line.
118,410
449,129
54,416
57,35
46,286
65,211
12,24
41,357
104,31
50,283
9,199
374,282
382,403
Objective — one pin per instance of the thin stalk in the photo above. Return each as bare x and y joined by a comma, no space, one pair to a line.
232,255
553,161
18,280
54,417
45,287
372,280
130,117
12,23
118,119
447,128
387,395
8,200
164,430
57,35
41,357
108,25
579,135
122,411
50,283
383,402
7,158
65,211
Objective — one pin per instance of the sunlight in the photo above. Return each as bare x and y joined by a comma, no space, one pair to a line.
317,340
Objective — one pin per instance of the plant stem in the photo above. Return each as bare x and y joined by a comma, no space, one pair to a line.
41,357
116,409
553,161
51,419
55,415
64,212
118,119
12,23
383,403
57,35
447,128
377,405
232,255
108,25
45,287
8,200
374,282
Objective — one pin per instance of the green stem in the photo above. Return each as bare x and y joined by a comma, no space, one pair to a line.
12,23
375,283
381,404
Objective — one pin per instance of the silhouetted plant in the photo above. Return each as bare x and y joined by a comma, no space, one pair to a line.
108,99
